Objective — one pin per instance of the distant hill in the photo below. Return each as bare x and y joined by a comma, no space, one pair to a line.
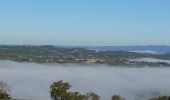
148,49
81,55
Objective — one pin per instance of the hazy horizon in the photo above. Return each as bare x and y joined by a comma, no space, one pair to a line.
81,45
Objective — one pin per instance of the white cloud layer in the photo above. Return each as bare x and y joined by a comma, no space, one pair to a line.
32,81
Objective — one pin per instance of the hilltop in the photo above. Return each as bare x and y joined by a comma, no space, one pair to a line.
80,55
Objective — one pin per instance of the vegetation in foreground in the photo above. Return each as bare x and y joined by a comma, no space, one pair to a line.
60,91
4,91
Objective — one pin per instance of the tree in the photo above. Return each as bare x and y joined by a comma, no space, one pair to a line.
117,97
92,96
161,98
4,91
59,90
76,96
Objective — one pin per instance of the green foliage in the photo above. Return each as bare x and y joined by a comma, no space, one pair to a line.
60,91
161,98
4,91
117,97
76,96
92,96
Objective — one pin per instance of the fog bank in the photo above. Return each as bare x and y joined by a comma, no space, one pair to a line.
32,81
150,60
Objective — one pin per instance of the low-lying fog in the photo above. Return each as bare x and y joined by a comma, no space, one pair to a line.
32,81
150,60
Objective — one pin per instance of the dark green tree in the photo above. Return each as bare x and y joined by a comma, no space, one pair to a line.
161,98
59,90
76,96
117,97
4,91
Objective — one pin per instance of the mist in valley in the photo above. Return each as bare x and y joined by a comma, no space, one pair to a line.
32,80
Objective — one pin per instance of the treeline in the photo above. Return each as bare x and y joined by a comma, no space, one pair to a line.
24,52
60,91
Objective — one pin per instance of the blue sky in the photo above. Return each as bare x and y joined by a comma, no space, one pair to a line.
85,22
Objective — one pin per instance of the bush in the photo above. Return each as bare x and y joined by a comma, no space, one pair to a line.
4,91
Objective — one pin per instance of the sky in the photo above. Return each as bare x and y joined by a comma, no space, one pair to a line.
85,22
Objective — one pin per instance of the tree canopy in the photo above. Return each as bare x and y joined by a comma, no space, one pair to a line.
161,98
60,91
117,97
4,91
